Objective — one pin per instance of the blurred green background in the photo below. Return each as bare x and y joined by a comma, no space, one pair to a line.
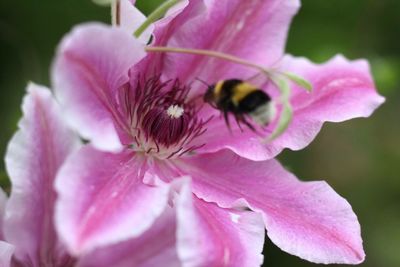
359,158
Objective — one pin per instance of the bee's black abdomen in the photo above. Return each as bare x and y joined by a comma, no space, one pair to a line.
253,100
229,85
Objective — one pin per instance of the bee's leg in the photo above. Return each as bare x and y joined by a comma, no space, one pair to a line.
239,119
226,117
248,124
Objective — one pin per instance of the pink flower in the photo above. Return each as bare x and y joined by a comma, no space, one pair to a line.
27,234
147,126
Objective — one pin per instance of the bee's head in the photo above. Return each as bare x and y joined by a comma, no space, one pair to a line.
209,95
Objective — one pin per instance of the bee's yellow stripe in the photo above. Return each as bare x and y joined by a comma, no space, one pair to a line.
241,91
218,88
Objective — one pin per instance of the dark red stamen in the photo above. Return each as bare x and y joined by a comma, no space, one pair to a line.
161,116
163,128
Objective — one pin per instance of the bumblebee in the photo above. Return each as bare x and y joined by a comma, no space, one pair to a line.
241,99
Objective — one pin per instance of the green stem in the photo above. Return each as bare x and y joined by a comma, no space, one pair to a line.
287,111
102,2
209,53
158,13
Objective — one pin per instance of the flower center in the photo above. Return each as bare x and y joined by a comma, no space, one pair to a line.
166,127
163,120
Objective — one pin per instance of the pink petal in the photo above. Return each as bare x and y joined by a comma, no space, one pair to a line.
91,65
243,142
191,233
126,15
212,236
6,253
155,247
307,219
342,90
254,30
102,199
3,201
33,158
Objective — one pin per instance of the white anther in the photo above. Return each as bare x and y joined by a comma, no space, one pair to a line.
175,111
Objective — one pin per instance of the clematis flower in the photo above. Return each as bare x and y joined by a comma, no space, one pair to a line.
147,126
27,234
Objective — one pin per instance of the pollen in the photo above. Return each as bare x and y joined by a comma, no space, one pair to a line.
175,111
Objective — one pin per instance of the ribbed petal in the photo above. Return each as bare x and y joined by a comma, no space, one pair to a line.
155,247
307,219
342,90
102,199
33,158
91,66
253,29
189,233
212,236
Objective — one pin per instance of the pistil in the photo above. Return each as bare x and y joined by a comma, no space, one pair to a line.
175,111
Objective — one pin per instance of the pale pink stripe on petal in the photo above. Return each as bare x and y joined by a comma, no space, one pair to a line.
91,65
33,158
212,236
307,219
253,29
155,247
102,199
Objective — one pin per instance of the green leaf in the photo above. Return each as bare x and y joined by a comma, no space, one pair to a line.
299,81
